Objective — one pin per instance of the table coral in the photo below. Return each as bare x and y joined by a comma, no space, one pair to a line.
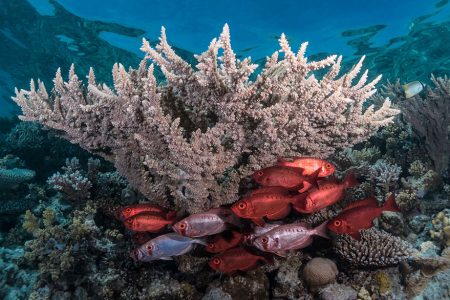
198,134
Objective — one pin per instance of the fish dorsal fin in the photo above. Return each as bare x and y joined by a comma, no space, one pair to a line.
356,235
371,201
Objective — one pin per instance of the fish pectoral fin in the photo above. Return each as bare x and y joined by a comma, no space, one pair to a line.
166,258
305,187
356,235
281,253
259,221
280,214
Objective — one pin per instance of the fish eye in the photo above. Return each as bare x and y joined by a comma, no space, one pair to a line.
242,205
337,223
135,253
216,261
182,226
129,221
328,166
264,240
260,173
210,245
128,210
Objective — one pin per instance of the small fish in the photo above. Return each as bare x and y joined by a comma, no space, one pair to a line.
234,260
289,237
148,222
273,206
287,177
165,247
309,165
359,215
413,88
211,222
135,209
328,193
224,242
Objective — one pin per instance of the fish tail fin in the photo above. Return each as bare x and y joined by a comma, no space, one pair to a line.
350,180
390,204
201,241
172,216
321,230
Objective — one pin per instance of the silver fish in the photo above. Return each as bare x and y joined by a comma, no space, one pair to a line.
413,88
260,230
289,237
211,222
164,247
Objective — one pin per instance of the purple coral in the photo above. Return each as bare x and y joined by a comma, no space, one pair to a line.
72,183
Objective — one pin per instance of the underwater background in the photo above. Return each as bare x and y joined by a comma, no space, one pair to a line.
193,132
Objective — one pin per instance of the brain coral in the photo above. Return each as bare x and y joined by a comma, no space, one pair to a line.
320,271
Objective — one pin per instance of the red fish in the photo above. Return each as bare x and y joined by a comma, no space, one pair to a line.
273,206
236,259
135,209
360,215
148,222
224,242
287,177
328,193
309,165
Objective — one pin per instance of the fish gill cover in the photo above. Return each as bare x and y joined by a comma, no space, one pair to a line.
294,175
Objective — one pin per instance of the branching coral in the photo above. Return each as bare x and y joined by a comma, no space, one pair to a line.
385,176
198,134
72,183
375,249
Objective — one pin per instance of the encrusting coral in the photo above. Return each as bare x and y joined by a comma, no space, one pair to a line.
198,134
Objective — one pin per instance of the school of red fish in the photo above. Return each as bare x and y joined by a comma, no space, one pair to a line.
247,233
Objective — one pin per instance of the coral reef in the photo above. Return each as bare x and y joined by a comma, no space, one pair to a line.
430,118
162,137
375,249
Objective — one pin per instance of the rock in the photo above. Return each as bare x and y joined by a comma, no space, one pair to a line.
338,292
392,222
418,223
252,285
216,294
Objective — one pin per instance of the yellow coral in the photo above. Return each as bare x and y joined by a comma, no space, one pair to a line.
417,168
30,223
48,217
384,282
441,227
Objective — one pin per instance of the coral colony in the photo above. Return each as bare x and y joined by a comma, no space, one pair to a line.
243,172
